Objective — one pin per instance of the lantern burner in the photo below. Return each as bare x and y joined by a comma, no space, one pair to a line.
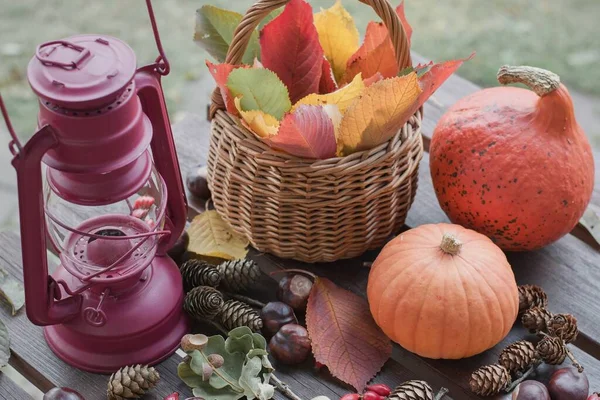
121,99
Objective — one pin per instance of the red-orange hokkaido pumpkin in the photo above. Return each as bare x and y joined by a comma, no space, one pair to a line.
513,163
443,291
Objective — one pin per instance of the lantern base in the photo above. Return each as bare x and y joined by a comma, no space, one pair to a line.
144,326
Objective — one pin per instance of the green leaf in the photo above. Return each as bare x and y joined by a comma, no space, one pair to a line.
260,89
251,382
188,376
214,32
240,341
12,291
257,353
4,345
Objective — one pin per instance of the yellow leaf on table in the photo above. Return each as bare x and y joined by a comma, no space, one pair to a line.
378,114
210,236
343,97
338,36
263,124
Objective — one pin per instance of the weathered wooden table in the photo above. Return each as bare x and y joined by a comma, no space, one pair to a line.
568,270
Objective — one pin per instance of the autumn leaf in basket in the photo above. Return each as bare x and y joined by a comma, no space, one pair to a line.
210,236
344,335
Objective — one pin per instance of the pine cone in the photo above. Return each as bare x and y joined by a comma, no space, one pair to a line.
552,350
131,382
536,319
235,314
412,390
199,273
564,326
531,296
239,275
518,356
203,302
489,380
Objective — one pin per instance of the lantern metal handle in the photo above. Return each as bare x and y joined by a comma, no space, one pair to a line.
161,63
84,53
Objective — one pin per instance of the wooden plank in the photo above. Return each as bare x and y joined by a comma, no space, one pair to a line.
9,390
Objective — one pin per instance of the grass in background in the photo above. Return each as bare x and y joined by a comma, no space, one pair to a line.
553,34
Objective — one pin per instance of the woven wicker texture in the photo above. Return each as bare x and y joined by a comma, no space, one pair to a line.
312,210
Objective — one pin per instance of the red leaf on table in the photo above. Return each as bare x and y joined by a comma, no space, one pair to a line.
375,55
307,132
344,335
432,76
290,47
327,83
220,73
404,21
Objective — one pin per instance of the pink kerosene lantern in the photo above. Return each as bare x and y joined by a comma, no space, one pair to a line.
100,180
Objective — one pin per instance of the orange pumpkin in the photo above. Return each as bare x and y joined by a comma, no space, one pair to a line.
443,291
513,163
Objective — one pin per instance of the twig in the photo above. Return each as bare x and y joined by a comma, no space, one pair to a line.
284,388
217,326
574,360
246,299
441,393
522,378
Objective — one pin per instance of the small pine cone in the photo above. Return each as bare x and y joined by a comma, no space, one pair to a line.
131,382
536,319
489,380
412,390
552,350
199,273
531,296
564,326
239,275
518,356
235,314
203,302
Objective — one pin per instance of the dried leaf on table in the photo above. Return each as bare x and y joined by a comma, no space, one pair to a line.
342,98
344,335
262,124
259,89
220,73
378,114
290,47
11,290
214,32
338,36
307,132
210,236
4,345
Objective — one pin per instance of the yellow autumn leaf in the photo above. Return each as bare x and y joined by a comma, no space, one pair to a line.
378,114
259,122
338,36
343,97
210,236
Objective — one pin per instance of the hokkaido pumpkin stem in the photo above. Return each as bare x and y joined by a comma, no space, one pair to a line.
441,394
541,81
450,244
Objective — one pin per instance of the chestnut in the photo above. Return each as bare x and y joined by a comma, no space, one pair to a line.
290,345
275,315
294,290
531,390
197,182
569,384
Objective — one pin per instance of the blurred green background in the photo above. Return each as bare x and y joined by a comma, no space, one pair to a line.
560,35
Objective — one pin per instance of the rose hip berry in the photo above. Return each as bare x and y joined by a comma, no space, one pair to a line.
380,388
63,393
351,396
368,395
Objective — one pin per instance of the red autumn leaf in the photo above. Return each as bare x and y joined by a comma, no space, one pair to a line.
374,79
405,24
375,55
327,83
344,335
290,47
307,132
220,73
432,76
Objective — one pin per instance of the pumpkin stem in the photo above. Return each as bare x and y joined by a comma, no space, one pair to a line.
450,244
541,81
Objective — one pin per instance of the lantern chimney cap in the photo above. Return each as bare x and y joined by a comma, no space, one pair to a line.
81,72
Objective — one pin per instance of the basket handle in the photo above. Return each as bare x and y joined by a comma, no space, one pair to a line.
256,13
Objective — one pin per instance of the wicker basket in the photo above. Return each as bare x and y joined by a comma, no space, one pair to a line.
312,210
